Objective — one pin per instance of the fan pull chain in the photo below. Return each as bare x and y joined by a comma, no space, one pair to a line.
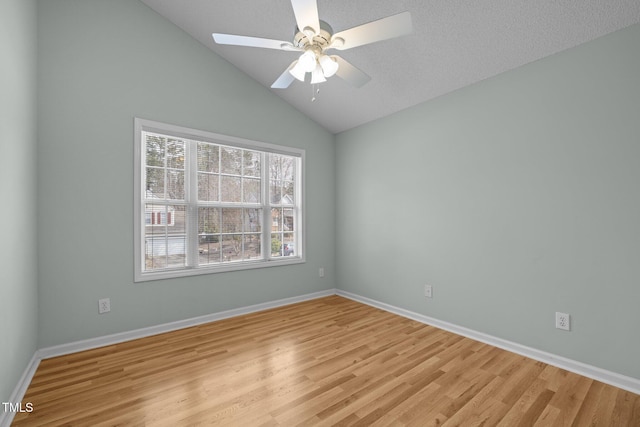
315,89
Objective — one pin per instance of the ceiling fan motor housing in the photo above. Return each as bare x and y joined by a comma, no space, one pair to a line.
322,39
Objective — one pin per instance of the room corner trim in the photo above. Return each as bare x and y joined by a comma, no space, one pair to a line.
612,378
21,387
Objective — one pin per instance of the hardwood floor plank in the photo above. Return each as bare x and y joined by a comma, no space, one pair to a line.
623,409
550,417
326,362
526,402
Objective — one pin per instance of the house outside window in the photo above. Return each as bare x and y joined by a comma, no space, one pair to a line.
154,215
202,201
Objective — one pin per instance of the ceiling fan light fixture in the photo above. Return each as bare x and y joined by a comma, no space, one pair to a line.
317,75
328,64
308,61
298,71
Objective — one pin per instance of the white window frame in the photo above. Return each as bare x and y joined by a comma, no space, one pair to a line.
192,269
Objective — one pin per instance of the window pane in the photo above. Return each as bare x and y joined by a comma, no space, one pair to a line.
288,191
175,154
252,247
253,220
208,157
230,188
231,160
276,245
251,163
165,168
231,247
275,191
208,221
232,220
165,238
208,235
288,219
282,167
176,257
282,179
276,219
251,189
288,246
209,251
208,187
175,184
155,146
155,183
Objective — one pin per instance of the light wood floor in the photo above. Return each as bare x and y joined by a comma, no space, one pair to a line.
329,361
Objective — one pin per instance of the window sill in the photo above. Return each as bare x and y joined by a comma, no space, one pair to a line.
222,268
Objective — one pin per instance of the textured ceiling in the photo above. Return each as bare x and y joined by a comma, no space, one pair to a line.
455,43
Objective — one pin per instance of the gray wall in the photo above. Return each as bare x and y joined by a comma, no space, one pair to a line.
515,198
101,63
18,274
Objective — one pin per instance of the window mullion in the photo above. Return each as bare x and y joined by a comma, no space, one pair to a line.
266,207
298,207
219,176
191,196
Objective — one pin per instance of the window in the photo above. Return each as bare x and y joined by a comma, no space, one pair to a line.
208,203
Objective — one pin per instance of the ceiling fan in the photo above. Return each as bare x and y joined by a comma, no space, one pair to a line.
314,37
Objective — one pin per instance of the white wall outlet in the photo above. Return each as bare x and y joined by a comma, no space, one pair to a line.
104,305
428,291
563,321
321,272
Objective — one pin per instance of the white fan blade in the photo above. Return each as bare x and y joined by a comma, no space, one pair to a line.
352,75
382,29
253,42
306,12
285,78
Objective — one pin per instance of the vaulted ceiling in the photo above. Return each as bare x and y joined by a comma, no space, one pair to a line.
454,43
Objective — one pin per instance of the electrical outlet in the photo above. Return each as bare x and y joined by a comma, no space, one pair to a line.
321,272
563,321
428,291
104,305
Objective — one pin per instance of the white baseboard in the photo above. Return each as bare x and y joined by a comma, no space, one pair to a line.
624,382
20,390
91,343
